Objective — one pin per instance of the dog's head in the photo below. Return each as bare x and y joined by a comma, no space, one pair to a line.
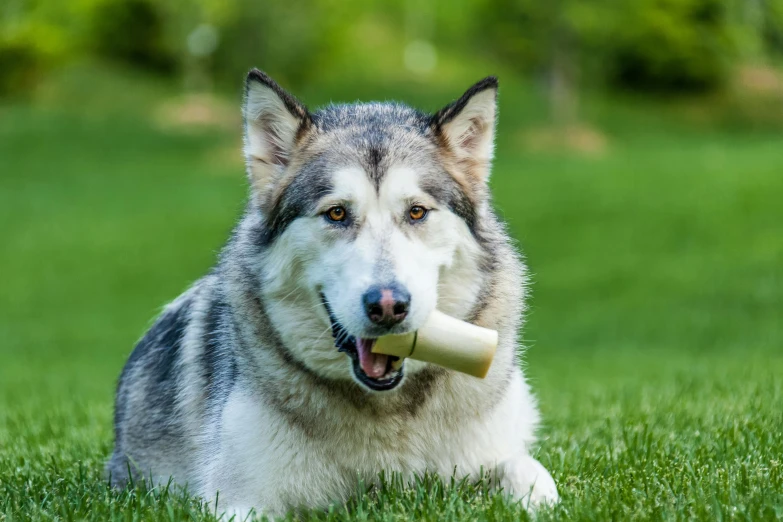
369,220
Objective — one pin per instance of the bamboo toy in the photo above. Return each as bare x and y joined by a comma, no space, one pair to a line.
445,341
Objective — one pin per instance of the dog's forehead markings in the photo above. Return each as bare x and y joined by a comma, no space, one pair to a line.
352,183
398,186
400,182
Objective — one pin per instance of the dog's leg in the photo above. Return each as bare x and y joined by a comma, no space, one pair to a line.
527,480
511,431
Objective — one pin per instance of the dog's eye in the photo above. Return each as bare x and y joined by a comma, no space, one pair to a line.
417,213
337,213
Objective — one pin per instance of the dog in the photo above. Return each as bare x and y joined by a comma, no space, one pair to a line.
259,384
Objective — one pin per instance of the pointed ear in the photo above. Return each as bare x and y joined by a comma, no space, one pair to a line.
274,121
466,128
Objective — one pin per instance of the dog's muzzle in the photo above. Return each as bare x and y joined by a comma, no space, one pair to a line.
376,371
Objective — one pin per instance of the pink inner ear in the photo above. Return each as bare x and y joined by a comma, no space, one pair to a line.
277,154
469,140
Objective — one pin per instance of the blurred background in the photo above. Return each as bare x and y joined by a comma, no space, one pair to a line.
639,165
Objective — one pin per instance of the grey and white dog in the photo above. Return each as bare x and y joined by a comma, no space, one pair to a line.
259,382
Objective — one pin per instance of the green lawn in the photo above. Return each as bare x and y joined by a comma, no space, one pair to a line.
655,331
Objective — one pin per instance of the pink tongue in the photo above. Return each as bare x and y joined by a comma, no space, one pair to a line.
373,364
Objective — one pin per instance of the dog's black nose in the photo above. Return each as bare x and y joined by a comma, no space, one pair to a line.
386,305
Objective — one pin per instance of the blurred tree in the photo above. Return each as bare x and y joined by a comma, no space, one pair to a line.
671,45
281,37
757,26
569,44
772,26
132,32
557,40
639,44
33,35
21,66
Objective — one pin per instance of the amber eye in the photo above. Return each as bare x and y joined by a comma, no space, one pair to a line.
336,213
416,213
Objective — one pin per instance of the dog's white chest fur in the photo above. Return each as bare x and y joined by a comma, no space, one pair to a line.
265,463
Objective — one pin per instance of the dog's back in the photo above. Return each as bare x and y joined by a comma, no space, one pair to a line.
166,388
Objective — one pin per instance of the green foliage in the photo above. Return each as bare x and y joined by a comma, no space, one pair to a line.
671,45
131,32
288,37
31,40
21,64
640,44
772,28
646,45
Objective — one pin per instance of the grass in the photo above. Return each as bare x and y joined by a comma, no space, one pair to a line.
655,333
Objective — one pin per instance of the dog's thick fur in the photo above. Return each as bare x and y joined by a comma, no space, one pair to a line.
238,386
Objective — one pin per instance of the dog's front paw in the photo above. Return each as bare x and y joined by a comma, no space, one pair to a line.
526,479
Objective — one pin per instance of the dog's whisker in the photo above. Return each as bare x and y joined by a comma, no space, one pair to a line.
292,292
327,330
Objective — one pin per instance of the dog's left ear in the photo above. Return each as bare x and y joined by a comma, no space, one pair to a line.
466,127
274,122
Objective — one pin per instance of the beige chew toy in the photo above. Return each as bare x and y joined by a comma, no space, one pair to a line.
445,341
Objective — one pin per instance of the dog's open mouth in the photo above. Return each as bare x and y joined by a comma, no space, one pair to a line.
377,371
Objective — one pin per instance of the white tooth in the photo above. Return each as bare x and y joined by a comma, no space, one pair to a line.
396,365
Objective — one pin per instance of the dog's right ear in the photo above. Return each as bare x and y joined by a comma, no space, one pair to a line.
467,128
274,120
